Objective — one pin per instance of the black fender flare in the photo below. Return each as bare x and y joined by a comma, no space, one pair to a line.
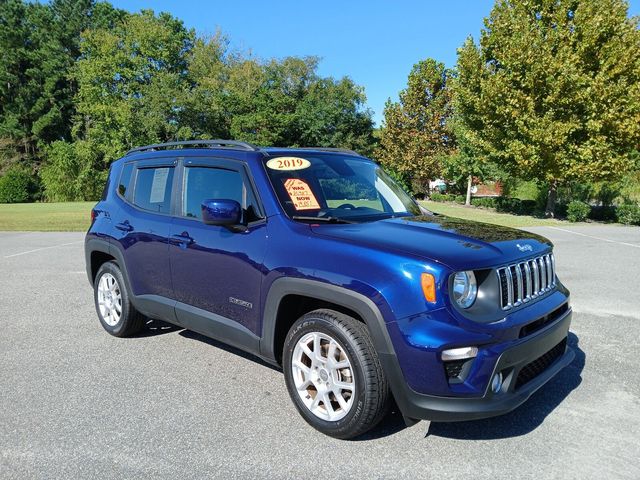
363,306
357,302
100,245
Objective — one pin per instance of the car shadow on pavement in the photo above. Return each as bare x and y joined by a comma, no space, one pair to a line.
392,423
525,418
521,421
227,348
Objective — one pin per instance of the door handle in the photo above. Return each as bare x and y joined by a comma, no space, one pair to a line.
124,226
183,239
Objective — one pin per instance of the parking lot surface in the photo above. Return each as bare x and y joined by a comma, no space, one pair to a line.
78,403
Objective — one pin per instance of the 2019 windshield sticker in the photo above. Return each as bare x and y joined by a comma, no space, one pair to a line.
288,163
301,194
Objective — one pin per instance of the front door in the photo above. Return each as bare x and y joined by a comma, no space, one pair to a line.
217,273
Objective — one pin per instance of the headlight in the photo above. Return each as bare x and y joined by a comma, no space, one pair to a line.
465,288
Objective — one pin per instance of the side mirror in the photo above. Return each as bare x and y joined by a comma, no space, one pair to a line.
221,212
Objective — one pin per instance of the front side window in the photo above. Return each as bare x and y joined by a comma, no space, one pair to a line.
329,186
153,189
206,183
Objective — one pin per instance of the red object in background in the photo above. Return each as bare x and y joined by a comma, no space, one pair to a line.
489,189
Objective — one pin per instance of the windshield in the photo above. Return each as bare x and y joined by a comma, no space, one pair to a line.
329,187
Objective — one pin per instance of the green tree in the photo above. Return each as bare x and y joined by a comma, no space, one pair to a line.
333,114
132,82
82,82
39,45
467,162
416,131
552,92
206,107
31,70
131,91
461,169
264,110
278,102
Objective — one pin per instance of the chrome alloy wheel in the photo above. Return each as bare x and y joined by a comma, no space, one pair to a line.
109,299
323,376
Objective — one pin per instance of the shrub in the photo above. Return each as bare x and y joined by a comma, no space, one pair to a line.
603,213
578,211
561,209
508,205
485,202
60,172
72,171
516,206
525,190
438,197
16,186
460,199
628,214
505,204
528,207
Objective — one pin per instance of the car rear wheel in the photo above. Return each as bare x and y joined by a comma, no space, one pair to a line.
333,374
115,311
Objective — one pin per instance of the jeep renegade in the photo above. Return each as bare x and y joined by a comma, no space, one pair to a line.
318,262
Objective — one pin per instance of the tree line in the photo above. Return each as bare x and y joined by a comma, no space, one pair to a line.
82,82
550,95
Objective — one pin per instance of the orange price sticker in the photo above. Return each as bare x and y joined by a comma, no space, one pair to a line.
301,194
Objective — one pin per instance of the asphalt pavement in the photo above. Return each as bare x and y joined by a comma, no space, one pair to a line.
78,403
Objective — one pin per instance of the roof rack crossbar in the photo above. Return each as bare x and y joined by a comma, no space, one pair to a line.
234,144
330,149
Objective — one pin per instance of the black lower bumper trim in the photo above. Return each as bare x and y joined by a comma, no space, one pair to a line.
452,409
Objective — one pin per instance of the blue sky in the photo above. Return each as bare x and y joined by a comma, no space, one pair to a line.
375,42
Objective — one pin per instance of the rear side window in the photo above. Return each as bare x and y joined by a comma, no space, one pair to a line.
153,189
125,179
206,183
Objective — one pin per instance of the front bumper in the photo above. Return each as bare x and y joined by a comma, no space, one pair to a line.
416,405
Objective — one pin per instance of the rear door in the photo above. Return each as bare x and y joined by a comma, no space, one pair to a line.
217,273
143,226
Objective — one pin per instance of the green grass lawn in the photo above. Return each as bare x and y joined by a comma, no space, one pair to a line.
75,216
490,216
59,217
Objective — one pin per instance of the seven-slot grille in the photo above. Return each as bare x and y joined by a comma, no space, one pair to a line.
526,280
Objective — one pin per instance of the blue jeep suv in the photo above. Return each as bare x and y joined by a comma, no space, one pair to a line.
315,260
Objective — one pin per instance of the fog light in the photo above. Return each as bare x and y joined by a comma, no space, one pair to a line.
496,382
459,353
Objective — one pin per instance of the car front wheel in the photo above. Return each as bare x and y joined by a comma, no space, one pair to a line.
333,374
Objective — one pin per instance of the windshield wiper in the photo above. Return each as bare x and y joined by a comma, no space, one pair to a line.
320,219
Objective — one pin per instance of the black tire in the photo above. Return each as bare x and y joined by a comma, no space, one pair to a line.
130,320
371,397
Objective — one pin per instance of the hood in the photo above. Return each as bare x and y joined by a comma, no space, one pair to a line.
456,243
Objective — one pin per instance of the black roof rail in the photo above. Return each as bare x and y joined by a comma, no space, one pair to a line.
232,144
329,149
